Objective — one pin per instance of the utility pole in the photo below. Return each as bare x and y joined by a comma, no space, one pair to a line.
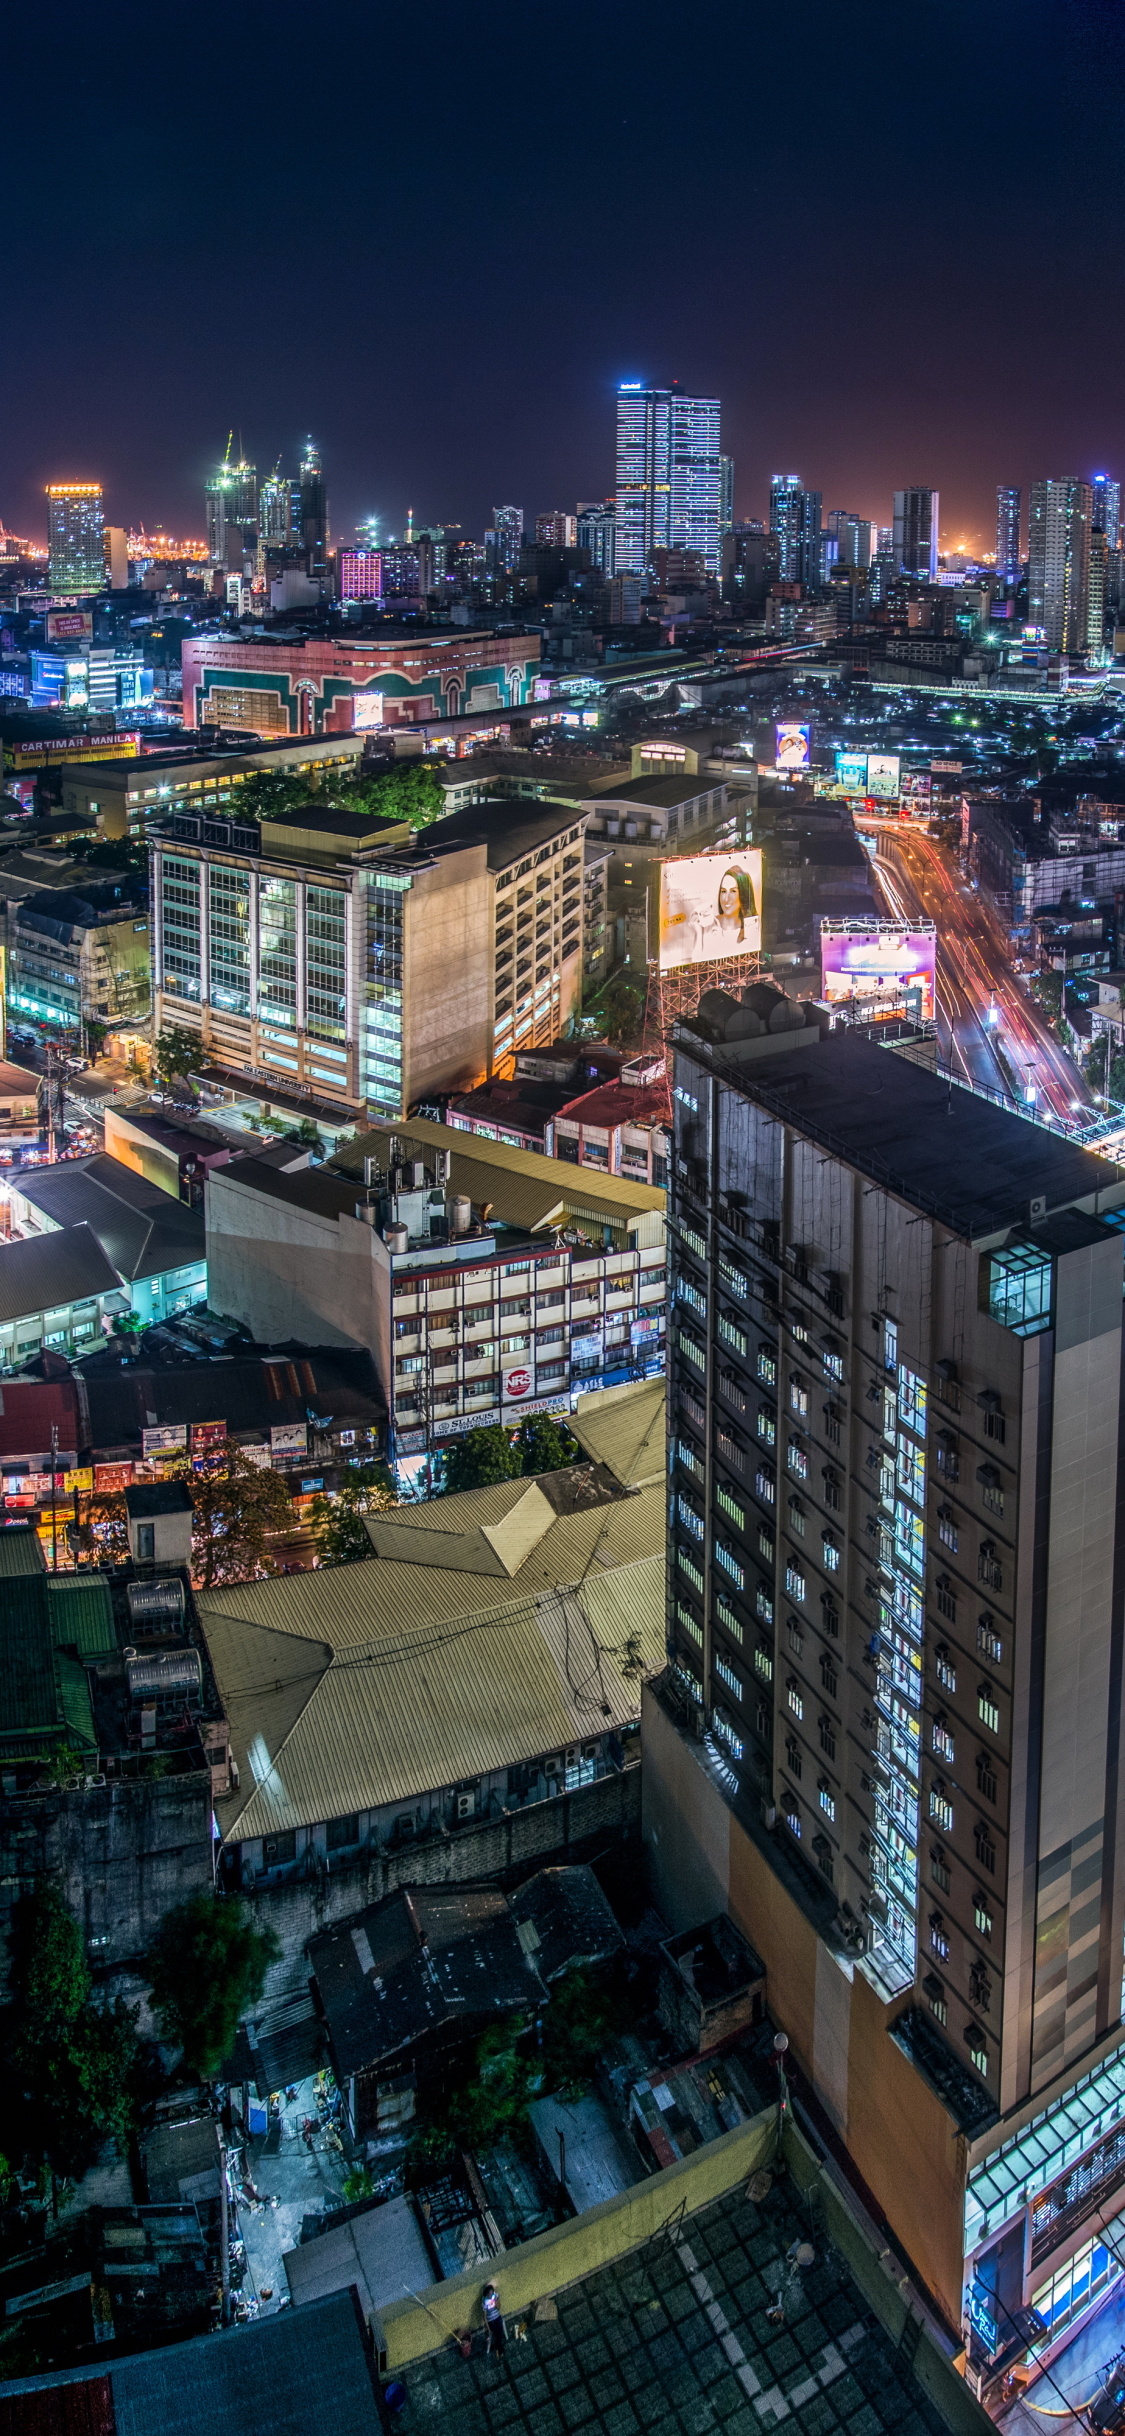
54,1494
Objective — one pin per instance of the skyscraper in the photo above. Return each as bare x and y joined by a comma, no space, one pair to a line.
314,513
507,524
916,532
888,1743
1106,516
795,518
726,494
275,523
1059,561
856,537
597,533
669,480
1009,506
232,514
75,537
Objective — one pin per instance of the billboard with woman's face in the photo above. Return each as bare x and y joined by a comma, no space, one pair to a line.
710,907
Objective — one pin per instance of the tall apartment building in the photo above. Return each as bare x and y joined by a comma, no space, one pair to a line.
1106,515
916,532
507,526
855,537
1058,596
337,961
669,476
1009,511
596,527
231,500
889,1740
75,537
486,1281
795,521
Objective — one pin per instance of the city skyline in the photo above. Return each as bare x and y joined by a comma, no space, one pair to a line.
864,346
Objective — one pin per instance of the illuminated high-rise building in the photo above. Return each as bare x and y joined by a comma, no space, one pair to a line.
726,494
795,519
507,525
314,512
232,514
916,532
669,479
75,537
1009,509
1107,508
856,538
275,510
597,533
1058,596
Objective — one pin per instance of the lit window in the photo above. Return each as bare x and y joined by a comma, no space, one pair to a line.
794,1697
982,1915
978,2053
941,1808
987,1708
831,1552
826,1797
942,1739
939,1937
912,1400
795,1582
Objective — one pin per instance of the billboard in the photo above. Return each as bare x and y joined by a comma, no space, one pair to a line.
289,1438
858,960
166,1441
367,712
70,626
851,772
517,1383
882,774
710,907
792,747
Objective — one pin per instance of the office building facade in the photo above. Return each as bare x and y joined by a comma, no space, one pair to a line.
896,1635
855,538
332,686
596,527
795,524
669,476
349,961
359,575
75,537
1058,589
1009,520
507,527
915,531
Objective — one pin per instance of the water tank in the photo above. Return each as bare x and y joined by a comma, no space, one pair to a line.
158,1603
460,1214
396,1238
166,1674
417,1175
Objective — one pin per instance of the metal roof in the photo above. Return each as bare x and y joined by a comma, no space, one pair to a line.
625,1429
360,1685
66,1266
140,1227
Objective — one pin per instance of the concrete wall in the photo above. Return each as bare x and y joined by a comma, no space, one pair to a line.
570,1827
121,1854
286,1271
904,2145
584,2243
447,958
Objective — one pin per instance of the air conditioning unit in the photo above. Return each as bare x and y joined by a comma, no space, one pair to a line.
466,1805
553,1766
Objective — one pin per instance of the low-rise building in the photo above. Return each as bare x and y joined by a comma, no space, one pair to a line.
156,1245
80,953
620,1128
322,685
122,797
487,1661
487,1282
58,1291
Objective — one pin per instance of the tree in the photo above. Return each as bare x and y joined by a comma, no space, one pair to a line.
273,794
206,1966
73,2061
411,791
366,1488
622,1003
480,1458
176,1051
237,1507
546,1445
112,853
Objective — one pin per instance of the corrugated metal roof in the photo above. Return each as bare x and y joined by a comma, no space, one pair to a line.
626,1429
67,1266
139,1227
366,1684
20,1552
82,1614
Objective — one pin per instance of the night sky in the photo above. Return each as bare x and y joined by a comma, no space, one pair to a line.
889,237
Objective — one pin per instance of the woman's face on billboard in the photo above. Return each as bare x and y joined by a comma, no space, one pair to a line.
728,894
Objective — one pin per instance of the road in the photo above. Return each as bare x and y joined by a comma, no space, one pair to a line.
981,1007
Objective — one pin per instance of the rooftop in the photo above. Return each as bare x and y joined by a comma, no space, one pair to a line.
140,1228
44,1271
509,826
611,1104
674,2339
496,1631
525,1188
663,793
974,1166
